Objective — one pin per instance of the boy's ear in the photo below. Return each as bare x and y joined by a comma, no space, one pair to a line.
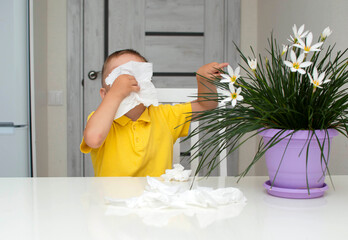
102,92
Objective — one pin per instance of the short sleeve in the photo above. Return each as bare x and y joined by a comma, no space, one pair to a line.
84,148
179,118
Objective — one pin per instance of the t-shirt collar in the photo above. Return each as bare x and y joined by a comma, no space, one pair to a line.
123,120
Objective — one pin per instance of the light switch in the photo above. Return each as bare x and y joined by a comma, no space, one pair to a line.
55,98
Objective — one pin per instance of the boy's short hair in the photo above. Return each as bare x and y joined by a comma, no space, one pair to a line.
117,54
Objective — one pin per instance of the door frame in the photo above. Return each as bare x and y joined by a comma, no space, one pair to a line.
75,31
74,87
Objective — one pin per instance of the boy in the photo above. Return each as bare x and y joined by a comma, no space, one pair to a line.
140,143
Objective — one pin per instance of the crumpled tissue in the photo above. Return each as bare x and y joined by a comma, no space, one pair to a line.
177,174
142,71
160,202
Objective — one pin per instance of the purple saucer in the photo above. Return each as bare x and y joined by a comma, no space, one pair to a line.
295,193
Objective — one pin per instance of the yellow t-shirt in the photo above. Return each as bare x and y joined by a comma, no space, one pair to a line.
143,147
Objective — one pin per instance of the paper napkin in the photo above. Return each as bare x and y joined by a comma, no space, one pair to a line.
176,174
166,200
142,71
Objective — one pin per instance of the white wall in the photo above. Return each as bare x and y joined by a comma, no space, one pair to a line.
40,82
57,81
249,37
281,15
50,74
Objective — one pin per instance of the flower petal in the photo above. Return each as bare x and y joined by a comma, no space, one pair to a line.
327,32
310,77
300,30
226,93
300,58
301,71
234,102
294,29
237,71
305,64
228,99
321,76
315,73
309,39
293,56
239,90
298,45
293,69
292,39
229,70
301,42
304,34
231,87
317,45
225,80
240,98
287,63
249,62
225,76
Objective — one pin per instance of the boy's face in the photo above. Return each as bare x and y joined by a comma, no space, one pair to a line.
118,61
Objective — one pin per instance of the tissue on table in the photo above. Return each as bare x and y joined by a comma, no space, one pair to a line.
164,201
177,173
142,71
160,195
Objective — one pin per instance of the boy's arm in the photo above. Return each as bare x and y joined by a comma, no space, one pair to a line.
98,126
209,70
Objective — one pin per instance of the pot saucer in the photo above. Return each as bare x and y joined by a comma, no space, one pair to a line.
295,193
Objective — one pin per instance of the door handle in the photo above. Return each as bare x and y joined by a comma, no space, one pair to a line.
7,128
92,75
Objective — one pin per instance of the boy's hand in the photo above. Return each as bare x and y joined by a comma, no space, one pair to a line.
124,85
210,70
98,126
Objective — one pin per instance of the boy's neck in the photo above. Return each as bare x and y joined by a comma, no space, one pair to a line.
136,112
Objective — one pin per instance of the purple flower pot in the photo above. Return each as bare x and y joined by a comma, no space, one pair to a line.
292,166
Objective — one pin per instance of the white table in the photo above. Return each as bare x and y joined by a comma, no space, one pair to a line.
74,208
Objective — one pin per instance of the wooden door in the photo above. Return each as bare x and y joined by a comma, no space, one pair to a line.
177,36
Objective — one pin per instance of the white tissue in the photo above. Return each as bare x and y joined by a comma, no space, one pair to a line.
165,201
177,173
142,71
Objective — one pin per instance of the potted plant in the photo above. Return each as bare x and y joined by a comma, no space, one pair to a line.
296,98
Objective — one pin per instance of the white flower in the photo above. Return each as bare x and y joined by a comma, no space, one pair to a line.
233,96
307,46
252,64
285,49
318,80
297,64
232,75
327,32
297,34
